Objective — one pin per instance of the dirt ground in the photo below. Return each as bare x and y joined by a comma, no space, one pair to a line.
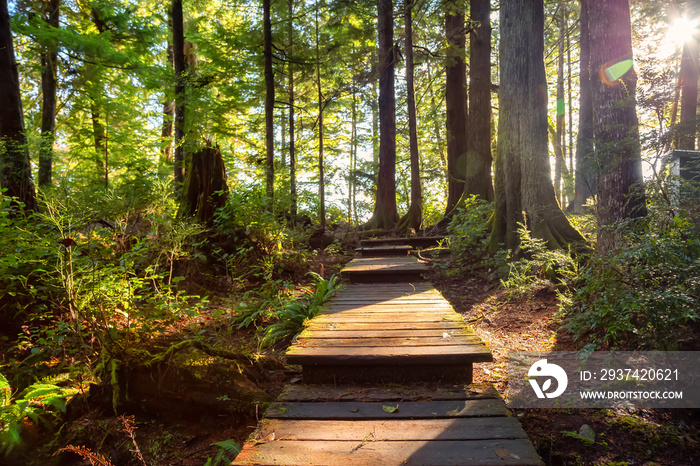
530,323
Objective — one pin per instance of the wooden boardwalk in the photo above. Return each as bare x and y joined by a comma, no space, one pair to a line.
387,372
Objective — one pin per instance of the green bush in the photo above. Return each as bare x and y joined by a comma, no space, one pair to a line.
642,296
469,229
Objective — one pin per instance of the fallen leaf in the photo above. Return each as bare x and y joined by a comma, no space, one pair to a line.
354,410
390,409
502,453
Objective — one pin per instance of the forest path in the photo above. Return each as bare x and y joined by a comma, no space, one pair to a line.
387,380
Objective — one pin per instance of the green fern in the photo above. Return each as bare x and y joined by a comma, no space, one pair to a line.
296,313
34,403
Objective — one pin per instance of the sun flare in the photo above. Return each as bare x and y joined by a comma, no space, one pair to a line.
682,30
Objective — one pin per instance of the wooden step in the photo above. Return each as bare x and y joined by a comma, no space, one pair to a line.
384,269
416,242
384,251
426,424
405,333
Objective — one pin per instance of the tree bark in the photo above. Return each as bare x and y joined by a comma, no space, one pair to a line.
205,189
478,174
455,101
689,95
414,216
15,168
438,135
321,174
49,57
615,124
180,94
560,154
586,177
385,215
292,141
166,133
523,182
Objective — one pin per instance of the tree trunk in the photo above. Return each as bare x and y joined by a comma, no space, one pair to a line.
455,101
689,95
166,133
523,182
49,56
353,154
15,168
321,174
615,124
586,173
478,174
292,141
205,189
438,135
180,96
560,154
414,217
385,215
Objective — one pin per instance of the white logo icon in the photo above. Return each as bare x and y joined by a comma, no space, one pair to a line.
542,369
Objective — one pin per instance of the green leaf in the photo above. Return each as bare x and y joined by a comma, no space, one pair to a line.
390,409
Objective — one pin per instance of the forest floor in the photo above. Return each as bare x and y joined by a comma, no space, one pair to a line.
172,435
648,437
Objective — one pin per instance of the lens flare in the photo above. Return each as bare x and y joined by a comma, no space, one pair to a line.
612,73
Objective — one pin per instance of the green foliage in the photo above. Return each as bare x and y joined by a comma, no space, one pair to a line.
469,228
641,296
39,402
538,266
297,312
228,449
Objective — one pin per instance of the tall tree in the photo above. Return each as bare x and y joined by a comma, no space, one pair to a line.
180,93
478,173
586,178
269,106
455,101
615,124
166,132
689,94
523,181
15,169
385,214
560,144
292,137
321,174
49,57
414,216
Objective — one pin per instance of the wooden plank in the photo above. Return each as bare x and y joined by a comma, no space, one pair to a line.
418,453
392,373
360,334
327,325
396,392
458,354
419,241
387,318
374,410
392,430
387,309
388,342
365,264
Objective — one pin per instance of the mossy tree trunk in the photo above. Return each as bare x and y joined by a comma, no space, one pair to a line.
523,181
205,189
